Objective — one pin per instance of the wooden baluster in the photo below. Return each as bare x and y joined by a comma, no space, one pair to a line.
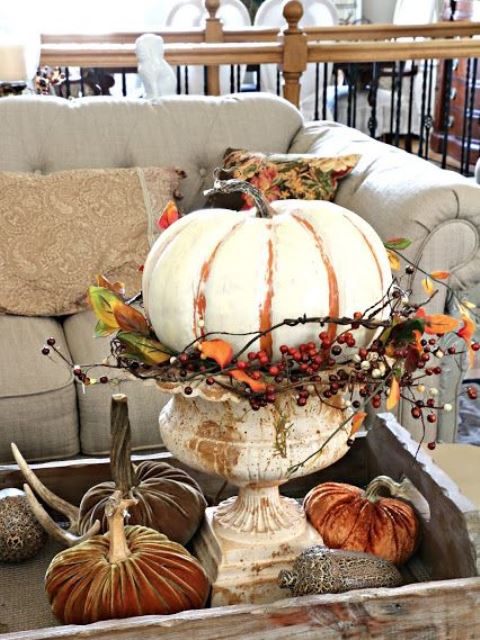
213,33
294,52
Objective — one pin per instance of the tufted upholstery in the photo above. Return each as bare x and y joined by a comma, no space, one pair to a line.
50,134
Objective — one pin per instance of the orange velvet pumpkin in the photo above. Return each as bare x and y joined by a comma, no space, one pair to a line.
352,519
130,571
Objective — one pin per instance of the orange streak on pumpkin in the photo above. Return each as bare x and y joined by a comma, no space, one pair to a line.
266,310
372,251
332,278
200,300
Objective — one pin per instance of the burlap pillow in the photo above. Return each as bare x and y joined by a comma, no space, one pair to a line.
282,176
59,231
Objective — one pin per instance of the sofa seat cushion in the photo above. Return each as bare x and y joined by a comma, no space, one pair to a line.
37,395
144,399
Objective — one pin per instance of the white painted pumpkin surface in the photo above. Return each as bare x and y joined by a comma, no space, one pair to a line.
222,270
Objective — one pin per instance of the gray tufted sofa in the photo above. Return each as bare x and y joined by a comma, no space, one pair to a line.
42,408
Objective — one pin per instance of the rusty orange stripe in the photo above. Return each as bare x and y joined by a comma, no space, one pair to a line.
266,310
333,303
372,251
200,300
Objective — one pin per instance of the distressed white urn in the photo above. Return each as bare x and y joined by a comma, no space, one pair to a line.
246,540
217,271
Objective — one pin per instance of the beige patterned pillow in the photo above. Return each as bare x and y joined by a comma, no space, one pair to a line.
59,231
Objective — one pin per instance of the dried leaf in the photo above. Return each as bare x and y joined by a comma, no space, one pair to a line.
145,349
438,323
130,319
413,357
394,395
417,335
116,287
255,385
103,302
427,284
397,243
219,350
440,275
466,332
468,329
169,215
394,261
469,304
357,422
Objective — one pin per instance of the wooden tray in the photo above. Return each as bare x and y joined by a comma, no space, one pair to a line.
440,600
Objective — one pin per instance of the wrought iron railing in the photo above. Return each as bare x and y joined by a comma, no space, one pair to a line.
413,86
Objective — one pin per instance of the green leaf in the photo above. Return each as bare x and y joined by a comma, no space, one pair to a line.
402,333
102,330
397,243
103,302
145,349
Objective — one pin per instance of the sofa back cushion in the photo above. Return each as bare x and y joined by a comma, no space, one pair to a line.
47,134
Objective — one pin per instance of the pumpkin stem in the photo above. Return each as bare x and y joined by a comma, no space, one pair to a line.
116,509
379,483
264,210
404,489
121,466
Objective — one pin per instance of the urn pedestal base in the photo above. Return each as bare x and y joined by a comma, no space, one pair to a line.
244,570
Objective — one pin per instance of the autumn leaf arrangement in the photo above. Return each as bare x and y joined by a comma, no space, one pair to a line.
409,350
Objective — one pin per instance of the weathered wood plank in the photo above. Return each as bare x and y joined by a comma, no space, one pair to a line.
450,546
448,610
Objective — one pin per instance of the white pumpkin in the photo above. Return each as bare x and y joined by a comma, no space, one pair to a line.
222,270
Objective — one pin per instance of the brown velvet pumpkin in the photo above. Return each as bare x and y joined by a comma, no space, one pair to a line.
130,571
352,519
168,499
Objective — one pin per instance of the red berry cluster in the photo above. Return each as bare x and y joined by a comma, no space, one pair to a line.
330,366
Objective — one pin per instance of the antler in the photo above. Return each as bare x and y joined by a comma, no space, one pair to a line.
70,536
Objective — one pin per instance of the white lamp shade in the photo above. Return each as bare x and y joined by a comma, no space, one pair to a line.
19,57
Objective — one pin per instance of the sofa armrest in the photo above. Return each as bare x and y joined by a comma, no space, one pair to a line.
402,195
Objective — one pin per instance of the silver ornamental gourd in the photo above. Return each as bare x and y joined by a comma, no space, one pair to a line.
320,570
21,535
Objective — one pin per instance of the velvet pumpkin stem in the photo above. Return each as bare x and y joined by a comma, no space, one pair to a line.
264,210
379,483
116,510
120,462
